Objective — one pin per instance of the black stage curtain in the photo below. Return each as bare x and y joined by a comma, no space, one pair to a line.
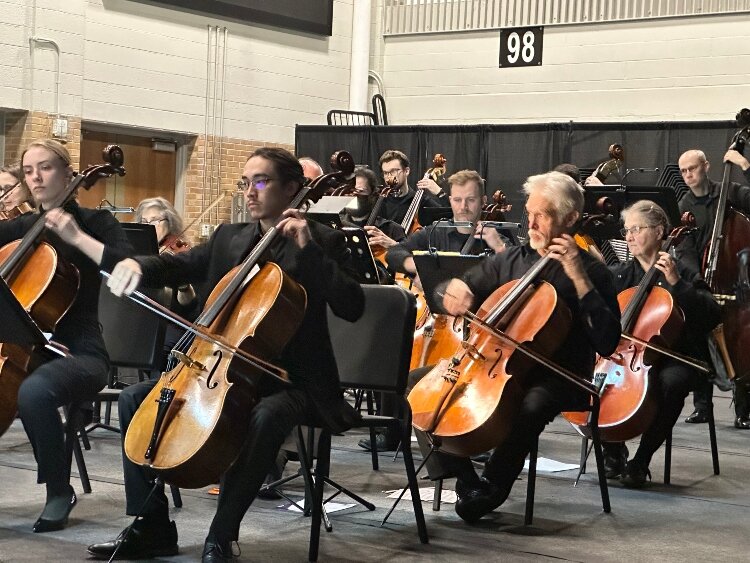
506,154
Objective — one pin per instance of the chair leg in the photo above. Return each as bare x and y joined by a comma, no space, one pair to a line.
584,454
321,471
531,485
411,476
599,455
712,437
176,496
73,446
668,458
437,498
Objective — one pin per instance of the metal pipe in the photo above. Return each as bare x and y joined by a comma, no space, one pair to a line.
36,41
221,118
208,108
360,57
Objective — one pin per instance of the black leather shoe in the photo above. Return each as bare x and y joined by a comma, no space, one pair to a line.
698,417
742,423
217,552
382,442
143,541
615,458
476,500
634,475
64,504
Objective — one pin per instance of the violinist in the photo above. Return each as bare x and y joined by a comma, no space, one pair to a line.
395,168
14,193
701,201
554,204
317,257
645,226
89,240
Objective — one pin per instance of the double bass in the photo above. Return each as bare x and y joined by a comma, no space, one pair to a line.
185,429
43,284
730,235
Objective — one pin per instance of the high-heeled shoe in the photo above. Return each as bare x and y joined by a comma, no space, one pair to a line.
57,509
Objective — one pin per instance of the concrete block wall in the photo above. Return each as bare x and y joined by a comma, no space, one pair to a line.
694,68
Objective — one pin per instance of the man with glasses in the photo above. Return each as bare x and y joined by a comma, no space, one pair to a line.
701,201
316,257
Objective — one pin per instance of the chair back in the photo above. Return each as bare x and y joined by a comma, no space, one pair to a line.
375,351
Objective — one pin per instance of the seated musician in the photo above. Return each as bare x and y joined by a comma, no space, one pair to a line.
87,239
645,226
13,189
466,200
311,168
395,168
383,232
318,259
701,201
554,204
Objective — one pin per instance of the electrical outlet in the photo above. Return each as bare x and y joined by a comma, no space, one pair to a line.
207,230
60,128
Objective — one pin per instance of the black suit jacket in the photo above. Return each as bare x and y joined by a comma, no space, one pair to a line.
323,268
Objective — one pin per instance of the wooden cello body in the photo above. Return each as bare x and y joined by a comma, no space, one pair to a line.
203,427
469,401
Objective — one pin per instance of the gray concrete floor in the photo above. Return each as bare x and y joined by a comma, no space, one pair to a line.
699,517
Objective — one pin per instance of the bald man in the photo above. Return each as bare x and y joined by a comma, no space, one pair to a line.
310,168
701,201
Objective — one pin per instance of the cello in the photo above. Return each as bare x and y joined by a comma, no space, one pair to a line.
469,401
730,235
43,284
650,319
186,428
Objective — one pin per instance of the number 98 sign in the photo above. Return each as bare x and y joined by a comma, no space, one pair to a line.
521,46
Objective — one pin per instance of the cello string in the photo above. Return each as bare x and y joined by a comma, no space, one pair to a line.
149,304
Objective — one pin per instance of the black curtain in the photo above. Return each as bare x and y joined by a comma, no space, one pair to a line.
507,154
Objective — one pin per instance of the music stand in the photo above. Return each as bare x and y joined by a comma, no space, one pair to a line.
328,210
17,326
438,267
142,237
428,215
364,262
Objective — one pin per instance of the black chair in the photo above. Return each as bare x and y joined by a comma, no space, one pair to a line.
714,448
75,430
378,360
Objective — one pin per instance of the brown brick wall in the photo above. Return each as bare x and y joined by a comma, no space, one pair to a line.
22,127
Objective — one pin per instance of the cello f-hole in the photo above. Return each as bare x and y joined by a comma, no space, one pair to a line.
212,384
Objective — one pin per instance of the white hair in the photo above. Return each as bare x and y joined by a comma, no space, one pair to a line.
559,189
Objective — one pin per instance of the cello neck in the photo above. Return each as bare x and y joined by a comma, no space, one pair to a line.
375,210
411,213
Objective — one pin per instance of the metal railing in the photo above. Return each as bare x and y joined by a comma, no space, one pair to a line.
404,17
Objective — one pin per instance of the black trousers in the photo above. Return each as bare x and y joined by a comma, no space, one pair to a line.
55,384
545,397
672,384
703,394
271,421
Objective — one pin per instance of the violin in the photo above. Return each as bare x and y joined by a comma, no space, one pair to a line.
173,244
44,285
17,211
186,429
650,319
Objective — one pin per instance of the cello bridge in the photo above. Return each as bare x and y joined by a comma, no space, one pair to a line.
188,361
472,352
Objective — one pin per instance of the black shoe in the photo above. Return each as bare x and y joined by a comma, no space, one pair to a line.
382,442
476,500
217,552
698,417
143,541
268,494
634,475
742,423
615,458
481,458
55,514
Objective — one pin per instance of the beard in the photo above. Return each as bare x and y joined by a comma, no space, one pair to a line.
537,240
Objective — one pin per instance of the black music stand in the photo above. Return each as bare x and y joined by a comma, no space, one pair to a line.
428,215
328,210
17,326
364,262
438,267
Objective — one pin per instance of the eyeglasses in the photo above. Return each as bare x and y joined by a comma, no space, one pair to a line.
5,189
394,172
634,230
152,221
259,183
690,168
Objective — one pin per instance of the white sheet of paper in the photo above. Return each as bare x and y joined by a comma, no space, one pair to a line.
550,465
426,494
330,506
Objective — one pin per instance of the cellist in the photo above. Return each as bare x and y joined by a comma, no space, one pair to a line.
554,204
645,225
701,201
89,240
318,259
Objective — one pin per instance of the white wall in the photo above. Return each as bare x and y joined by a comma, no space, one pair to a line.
676,69
128,63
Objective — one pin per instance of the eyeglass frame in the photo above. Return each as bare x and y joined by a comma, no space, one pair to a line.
392,173
244,184
635,230
153,221
692,168
5,189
